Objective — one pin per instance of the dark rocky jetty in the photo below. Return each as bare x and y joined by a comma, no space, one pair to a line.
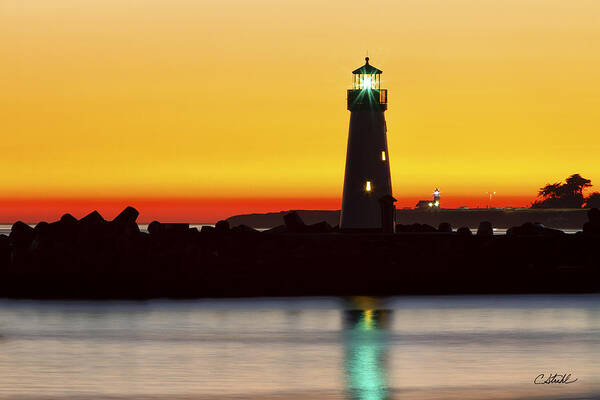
444,227
294,224
415,228
96,258
592,227
464,231
485,229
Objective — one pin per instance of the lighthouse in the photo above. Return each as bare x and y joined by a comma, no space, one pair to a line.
367,202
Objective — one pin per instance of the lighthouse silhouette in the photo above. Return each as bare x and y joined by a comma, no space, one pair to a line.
367,202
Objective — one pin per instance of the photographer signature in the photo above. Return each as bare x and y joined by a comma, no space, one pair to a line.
553,378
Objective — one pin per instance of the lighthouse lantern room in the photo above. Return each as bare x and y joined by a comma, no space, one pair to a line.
367,177
366,92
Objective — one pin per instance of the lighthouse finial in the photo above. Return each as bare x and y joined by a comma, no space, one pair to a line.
367,59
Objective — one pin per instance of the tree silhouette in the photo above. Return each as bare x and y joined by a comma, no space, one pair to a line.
550,190
576,183
563,195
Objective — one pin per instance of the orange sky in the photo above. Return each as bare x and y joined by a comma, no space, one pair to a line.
194,110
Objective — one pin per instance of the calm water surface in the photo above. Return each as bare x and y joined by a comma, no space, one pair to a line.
463,347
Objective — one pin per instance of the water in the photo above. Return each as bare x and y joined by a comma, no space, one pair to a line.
463,347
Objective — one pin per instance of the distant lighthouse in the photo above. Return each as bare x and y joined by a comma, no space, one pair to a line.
367,202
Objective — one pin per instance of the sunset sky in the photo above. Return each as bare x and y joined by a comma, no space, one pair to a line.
193,110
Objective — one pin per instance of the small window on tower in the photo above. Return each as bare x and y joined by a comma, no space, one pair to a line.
383,156
368,186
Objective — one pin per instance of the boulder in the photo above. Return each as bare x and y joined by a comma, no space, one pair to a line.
154,228
67,225
426,228
157,228
590,228
415,228
319,227
593,225
294,223
4,251
533,229
41,227
243,229
222,226
21,234
61,230
3,244
94,232
594,215
277,229
485,229
127,216
92,219
68,219
43,233
124,224
401,228
464,231
173,227
422,228
445,227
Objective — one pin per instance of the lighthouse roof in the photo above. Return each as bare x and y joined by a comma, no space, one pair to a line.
367,69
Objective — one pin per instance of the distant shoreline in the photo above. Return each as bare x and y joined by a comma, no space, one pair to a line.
499,218
502,218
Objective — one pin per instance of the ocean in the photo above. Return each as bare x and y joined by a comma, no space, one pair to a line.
437,347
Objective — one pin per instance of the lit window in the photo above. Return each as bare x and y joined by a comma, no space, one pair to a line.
383,156
430,204
437,203
368,186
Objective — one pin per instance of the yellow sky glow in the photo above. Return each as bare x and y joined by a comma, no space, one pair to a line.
235,98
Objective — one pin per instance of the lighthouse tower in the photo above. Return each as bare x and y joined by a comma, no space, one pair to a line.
367,196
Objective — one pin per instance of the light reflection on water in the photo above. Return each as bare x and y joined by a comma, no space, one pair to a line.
365,363
446,347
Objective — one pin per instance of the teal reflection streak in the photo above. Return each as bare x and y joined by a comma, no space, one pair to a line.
365,355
